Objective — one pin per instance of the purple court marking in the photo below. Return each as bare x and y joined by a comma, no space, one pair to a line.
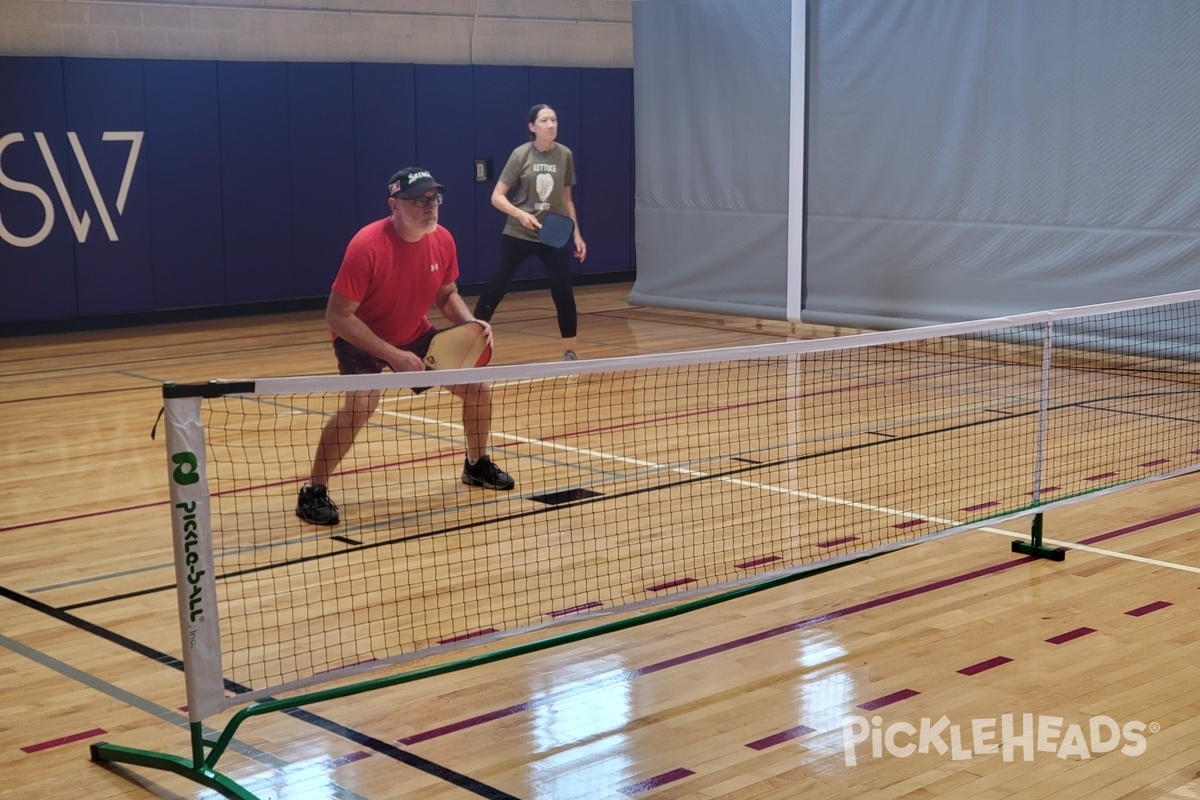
662,587
1049,489
655,782
1069,635
575,609
983,666
1143,610
758,562
74,737
490,716
1140,526
1156,462
470,635
912,523
781,737
1101,476
981,506
349,758
888,699
783,630
837,542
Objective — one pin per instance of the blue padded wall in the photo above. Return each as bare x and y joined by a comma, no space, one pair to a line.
501,106
321,146
385,133
256,180
183,163
110,276
444,99
558,87
37,265
250,177
605,164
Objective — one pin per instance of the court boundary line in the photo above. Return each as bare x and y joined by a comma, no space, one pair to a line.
385,748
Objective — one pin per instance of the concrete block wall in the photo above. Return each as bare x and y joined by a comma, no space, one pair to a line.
579,33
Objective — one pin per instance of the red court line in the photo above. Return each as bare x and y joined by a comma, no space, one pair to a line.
637,423
868,605
458,452
74,737
88,515
981,363
436,456
293,481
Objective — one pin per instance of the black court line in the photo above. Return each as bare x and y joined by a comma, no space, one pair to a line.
120,366
388,749
71,395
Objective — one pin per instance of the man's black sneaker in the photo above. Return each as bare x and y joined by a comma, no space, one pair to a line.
313,505
485,473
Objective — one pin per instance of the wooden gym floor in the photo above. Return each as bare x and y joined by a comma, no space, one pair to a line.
953,669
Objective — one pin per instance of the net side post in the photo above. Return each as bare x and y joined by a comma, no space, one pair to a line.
191,533
195,582
1034,546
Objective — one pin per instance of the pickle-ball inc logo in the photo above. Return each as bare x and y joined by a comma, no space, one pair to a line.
1012,736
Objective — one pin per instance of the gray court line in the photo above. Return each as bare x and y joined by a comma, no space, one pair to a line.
165,714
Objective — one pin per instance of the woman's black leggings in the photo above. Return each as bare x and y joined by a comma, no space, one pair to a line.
556,260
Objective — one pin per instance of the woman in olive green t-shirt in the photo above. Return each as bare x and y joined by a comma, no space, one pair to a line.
539,175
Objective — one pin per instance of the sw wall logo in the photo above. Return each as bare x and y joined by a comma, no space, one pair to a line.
81,221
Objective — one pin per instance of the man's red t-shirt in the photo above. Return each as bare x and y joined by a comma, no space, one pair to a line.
394,281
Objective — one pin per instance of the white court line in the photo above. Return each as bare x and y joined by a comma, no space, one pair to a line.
804,495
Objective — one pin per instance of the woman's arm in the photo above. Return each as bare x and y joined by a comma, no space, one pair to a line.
501,202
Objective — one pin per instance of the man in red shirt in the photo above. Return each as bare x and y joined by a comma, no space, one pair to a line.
393,270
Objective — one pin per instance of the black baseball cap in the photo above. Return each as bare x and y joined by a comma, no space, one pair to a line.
412,182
